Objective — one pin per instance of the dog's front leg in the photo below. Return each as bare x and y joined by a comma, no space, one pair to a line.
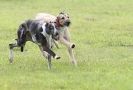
46,53
70,51
49,51
65,39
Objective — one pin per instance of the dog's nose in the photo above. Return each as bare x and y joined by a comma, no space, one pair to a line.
67,23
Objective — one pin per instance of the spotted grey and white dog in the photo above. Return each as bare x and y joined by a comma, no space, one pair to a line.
39,33
62,22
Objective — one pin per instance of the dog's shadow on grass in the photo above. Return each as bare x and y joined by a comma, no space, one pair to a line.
19,49
126,45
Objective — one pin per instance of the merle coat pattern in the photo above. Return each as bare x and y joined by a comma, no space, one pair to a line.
38,33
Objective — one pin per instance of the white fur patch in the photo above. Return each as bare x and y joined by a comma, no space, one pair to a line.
48,37
11,55
57,57
44,32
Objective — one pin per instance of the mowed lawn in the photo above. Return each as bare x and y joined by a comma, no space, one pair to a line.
102,31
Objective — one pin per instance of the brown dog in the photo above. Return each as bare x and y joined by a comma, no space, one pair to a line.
62,22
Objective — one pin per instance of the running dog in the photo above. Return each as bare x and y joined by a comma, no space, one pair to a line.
62,22
39,33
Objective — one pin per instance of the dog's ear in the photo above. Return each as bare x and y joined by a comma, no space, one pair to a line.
61,13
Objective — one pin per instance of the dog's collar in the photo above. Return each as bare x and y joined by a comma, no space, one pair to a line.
57,24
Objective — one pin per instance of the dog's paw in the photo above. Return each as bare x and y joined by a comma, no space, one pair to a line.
10,60
57,57
72,46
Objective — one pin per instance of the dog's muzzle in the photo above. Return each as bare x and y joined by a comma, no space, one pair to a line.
67,23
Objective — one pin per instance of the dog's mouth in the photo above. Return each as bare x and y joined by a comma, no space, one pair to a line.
67,23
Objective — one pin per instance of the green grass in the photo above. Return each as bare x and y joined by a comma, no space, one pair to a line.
102,31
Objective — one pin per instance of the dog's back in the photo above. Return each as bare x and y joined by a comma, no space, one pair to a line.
45,17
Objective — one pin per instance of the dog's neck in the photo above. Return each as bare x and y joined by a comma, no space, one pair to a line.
57,24
45,30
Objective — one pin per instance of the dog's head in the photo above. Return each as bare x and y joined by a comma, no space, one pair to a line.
50,29
63,19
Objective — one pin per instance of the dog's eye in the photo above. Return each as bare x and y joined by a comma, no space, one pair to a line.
62,18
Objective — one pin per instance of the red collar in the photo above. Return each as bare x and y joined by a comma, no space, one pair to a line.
57,24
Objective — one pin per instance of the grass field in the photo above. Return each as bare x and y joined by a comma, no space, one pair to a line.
102,31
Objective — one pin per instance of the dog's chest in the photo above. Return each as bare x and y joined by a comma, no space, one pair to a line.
61,29
44,31
43,34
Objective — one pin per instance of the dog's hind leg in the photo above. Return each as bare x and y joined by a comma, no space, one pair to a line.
11,55
11,47
21,33
71,54
49,62
22,47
